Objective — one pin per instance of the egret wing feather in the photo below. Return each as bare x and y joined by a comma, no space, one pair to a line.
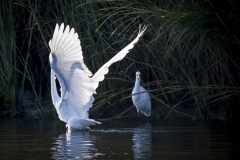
147,101
66,60
99,75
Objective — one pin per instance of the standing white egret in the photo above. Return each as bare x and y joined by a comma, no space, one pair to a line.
141,98
77,85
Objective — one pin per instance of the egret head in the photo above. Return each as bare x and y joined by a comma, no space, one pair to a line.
138,74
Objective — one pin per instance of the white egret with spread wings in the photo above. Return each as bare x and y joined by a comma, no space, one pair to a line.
76,81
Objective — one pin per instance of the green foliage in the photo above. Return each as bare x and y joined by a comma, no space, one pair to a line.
188,54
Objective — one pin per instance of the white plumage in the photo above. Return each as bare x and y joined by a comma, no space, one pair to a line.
77,85
141,98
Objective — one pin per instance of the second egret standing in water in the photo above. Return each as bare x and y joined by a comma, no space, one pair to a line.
141,98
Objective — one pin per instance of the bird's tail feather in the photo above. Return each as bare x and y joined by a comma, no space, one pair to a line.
81,123
87,122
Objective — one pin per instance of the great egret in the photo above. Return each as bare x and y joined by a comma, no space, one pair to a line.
77,85
141,98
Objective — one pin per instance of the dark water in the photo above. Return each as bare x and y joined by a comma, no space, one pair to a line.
175,139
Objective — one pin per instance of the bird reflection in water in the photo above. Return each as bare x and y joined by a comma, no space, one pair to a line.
75,145
142,142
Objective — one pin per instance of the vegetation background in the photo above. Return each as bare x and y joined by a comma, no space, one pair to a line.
189,56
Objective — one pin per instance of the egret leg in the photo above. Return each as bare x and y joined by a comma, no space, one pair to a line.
148,118
139,116
67,126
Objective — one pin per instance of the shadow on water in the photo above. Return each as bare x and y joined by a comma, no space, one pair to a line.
177,139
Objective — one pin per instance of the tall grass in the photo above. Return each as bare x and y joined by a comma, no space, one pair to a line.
7,58
187,56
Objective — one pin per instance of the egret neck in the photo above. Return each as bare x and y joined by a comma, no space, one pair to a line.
137,84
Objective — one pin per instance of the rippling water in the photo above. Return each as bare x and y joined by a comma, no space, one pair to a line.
178,139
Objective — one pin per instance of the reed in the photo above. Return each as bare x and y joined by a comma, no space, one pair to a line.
187,56
8,76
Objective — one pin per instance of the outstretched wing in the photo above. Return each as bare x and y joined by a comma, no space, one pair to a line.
99,75
67,62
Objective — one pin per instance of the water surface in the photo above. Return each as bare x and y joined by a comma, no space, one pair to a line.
123,139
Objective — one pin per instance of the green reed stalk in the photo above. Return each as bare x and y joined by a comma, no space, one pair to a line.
8,78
